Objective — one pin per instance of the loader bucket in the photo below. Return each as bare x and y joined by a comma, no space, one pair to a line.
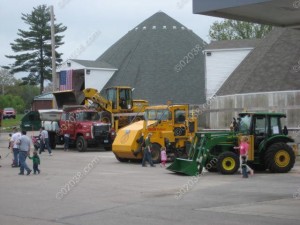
185,166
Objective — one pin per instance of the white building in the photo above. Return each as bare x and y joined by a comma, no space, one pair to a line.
81,74
222,58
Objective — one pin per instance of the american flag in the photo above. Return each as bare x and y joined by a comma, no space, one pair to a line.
65,80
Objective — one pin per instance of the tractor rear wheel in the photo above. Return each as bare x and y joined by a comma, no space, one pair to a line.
81,144
279,158
121,159
155,153
228,163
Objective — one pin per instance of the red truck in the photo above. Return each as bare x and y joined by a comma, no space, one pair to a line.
9,113
82,124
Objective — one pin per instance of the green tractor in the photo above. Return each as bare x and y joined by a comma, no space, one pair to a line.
268,148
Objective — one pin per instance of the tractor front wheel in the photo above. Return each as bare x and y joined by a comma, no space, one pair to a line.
279,158
228,163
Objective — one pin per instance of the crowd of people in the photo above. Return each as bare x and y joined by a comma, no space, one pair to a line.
20,145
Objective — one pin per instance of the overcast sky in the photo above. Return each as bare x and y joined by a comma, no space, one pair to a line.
95,24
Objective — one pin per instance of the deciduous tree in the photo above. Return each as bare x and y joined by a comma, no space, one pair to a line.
233,29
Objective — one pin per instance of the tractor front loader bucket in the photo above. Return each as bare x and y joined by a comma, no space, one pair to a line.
185,166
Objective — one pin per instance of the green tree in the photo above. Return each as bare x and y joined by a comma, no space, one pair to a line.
26,92
12,101
34,47
233,29
6,79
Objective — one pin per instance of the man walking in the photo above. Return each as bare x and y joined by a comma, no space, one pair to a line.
24,151
147,152
45,141
14,147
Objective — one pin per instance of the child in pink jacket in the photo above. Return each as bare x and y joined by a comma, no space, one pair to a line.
163,156
244,147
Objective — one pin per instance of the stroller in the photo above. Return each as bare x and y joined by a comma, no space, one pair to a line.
36,142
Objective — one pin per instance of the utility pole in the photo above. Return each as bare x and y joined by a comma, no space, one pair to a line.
54,83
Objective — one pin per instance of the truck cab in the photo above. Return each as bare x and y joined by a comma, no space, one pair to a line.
85,127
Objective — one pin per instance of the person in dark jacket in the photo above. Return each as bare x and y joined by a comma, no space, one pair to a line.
285,130
36,162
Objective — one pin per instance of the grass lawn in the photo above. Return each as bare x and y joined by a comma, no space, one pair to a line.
7,124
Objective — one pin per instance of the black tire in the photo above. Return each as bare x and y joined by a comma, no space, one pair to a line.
52,140
279,158
258,167
105,117
107,148
155,153
121,159
52,145
211,166
228,163
81,144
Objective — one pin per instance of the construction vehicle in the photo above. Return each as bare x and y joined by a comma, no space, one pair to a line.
268,148
81,123
118,107
171,127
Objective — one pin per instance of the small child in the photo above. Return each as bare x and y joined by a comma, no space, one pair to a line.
9,141
244,167
244,147
163,156
36,162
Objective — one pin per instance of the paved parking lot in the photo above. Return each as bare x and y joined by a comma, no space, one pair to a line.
94,188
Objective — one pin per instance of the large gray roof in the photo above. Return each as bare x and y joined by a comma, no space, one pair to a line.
274,65
233,44
146,57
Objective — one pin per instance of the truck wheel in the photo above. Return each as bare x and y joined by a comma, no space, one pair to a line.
228,163
52,145
81,144
155,153
279,158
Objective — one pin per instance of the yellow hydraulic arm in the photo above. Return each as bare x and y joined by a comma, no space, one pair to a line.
93,95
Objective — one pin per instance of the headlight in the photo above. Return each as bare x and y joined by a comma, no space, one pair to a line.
87,134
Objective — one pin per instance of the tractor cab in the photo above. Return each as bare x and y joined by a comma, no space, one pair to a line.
120,97
261,125
262,129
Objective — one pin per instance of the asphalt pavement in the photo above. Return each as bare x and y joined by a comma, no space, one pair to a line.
93,188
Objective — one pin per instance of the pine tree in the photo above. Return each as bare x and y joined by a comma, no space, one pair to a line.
34,46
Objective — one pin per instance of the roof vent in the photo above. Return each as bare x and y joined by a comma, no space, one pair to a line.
182,28
154,27
164,27
174,27
144,28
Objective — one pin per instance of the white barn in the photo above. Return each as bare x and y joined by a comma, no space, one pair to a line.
222,58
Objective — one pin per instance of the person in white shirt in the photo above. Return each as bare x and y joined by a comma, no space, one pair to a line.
45,140
14,146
